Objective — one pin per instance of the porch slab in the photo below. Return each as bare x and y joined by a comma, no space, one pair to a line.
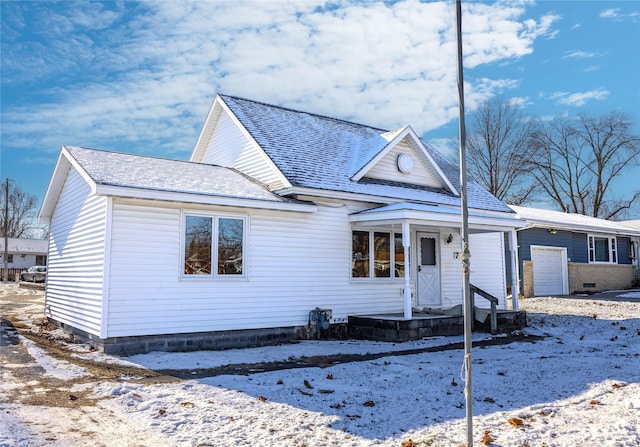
394,328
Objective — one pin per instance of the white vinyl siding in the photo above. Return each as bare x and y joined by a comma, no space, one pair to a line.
285,280
76,257
230,147
387,168
488,270
487,267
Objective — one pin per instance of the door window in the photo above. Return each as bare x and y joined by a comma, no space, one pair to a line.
427,251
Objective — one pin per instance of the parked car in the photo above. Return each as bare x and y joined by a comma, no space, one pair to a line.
37,273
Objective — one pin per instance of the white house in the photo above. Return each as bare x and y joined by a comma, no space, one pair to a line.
277,212
23,253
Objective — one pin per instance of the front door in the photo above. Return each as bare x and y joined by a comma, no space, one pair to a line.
428,269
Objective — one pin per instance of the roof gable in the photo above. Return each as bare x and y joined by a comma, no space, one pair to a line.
319,155
224,141
403,158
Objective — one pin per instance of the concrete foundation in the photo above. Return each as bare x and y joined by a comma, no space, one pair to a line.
198,341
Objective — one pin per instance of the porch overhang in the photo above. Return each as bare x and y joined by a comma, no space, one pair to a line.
436,216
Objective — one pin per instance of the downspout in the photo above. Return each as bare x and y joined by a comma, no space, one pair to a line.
406,242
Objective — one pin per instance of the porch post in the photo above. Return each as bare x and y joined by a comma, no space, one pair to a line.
515,275
406,242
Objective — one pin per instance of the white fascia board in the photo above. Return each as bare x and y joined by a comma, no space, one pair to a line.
371,163
87,178
218,107
581,227
284,180
207,130
150,194
417,143
443,178
448,219
338,195
61,170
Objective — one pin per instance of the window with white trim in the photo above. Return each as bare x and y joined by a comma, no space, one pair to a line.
383,247
602,249
213,246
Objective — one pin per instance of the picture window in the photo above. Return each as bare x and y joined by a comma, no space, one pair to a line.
213,246
386,250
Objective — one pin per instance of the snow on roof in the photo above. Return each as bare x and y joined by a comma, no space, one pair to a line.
631,223
570,221
160,174
320,152
26,246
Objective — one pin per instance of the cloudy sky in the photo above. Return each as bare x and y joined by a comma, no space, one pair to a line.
139,77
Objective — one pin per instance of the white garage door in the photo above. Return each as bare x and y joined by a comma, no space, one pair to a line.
549,271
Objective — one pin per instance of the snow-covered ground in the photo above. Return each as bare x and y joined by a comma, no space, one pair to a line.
578,386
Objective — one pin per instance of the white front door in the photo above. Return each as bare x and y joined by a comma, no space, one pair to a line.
428,269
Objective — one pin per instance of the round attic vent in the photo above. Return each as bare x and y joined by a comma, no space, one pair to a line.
405,163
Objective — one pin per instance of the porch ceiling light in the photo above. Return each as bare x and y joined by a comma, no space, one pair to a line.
553,231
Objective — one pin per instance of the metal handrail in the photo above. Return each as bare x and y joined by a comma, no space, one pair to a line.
494,302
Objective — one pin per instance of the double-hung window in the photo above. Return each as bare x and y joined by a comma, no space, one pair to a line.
213,246
602,249
376,254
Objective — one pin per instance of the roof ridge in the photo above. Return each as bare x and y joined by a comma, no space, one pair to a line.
155,157
289,109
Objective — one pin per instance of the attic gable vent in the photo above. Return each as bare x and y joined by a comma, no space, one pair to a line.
405,163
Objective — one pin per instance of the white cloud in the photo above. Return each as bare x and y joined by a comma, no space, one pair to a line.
611,13
592,68
579,54
134,74
519,101
579,99
617,15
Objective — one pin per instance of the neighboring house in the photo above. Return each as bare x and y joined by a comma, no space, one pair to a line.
23,253
564,253
277,213
634,248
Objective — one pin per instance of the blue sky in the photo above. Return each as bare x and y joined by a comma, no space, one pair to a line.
139,77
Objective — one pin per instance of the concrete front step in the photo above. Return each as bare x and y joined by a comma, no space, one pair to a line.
396,329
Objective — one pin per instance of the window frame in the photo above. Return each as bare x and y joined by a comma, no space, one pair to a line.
372,256
612,248
215,225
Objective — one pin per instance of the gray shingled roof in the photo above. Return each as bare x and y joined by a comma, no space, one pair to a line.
160,174
320,152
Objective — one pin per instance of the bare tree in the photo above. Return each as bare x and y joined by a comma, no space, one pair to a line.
20,211
578,161
499,153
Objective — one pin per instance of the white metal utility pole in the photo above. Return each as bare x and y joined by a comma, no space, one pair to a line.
5,258
466,255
